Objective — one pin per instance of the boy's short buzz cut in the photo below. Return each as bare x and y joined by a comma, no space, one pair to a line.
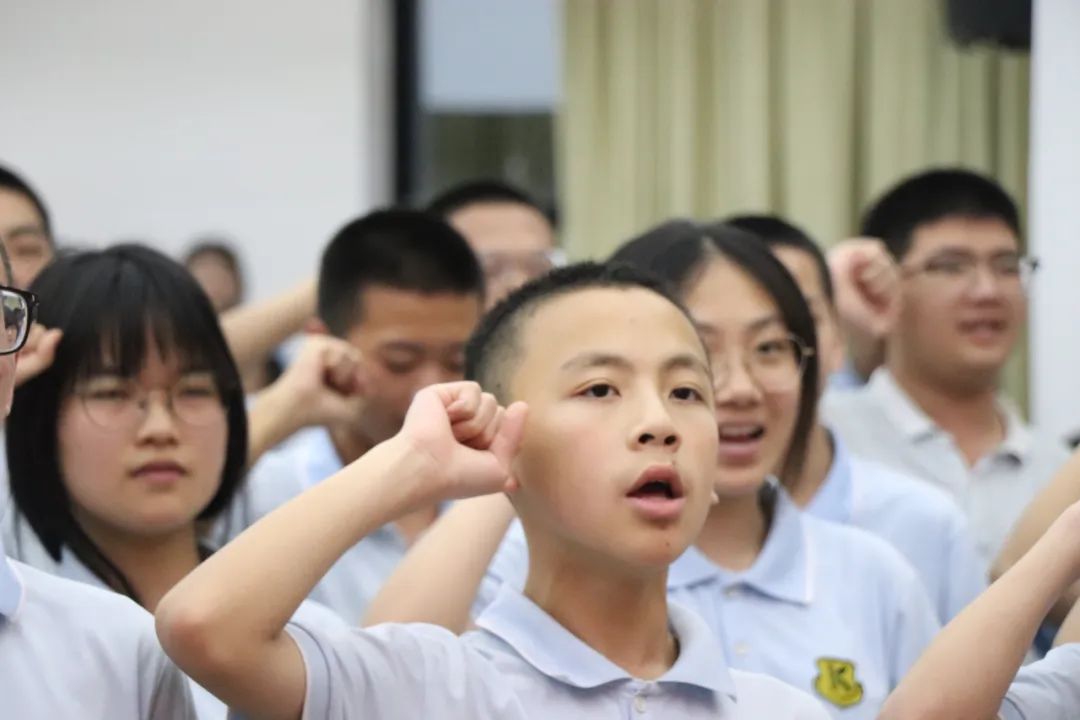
495,344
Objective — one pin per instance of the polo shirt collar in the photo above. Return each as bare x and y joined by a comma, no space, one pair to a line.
916,425
834,500
782,569
559,654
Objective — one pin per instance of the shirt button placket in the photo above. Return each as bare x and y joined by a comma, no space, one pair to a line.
640,704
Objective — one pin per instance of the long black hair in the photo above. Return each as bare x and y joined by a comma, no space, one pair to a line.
678,251
111,305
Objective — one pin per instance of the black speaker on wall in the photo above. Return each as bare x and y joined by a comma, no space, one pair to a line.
1005,23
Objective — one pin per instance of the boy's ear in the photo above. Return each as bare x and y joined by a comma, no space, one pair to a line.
315,326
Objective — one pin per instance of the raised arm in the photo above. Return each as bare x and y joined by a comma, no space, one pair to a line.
967,670
866,282
438,580
323,386
224,624
1062,491
253,330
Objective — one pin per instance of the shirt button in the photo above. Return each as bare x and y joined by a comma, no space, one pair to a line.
732,591
639,703
742,649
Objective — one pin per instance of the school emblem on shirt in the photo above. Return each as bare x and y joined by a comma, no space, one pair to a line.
836,682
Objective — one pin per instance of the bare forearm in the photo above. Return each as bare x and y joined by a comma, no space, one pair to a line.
272,419
224,623
967,670
1070,627
438,580
254,330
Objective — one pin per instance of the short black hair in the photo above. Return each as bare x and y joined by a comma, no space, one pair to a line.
486,190
679,251
777,232
497,340
936,195
110,304
10,180
401,249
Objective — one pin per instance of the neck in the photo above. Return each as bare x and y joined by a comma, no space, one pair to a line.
349,443
152,565
622,614
734,532
968,413
819,459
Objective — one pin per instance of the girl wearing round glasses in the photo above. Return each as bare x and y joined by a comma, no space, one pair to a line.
827,608
134,440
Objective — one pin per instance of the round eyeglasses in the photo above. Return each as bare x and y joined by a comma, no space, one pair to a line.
775,364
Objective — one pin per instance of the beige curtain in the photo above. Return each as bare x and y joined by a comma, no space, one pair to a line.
807,108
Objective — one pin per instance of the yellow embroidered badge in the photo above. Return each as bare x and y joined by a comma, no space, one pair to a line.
836,682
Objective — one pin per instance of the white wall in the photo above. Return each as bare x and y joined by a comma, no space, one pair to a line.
268,121
1055,215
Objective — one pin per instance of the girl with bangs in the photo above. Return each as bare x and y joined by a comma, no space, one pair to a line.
127,448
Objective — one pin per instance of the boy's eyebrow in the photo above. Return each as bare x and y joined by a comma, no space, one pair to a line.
600,359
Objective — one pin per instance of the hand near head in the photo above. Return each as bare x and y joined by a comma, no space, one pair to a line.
326,382
867,282
470,439
38,353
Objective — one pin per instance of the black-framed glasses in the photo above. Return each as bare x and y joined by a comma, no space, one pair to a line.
19,312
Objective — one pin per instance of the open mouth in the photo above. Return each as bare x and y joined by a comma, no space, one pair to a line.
745,433
658,493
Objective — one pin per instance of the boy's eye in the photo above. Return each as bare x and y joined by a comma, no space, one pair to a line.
687,393
599,390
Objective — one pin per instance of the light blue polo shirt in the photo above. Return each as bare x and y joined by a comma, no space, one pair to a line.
68,650
919,520
1048,689
827,608
522,664
356,578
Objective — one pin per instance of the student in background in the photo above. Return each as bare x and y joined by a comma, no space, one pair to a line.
934,410
773,584
25,228
612,477
920,521
215,266
135,438
69,650
510,232
404,289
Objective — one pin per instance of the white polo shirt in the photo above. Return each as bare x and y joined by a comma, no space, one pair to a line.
522,664
68,650
1048,689
919,520
882,423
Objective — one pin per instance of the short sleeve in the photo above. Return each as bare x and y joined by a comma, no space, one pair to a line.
398,671
1048,689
